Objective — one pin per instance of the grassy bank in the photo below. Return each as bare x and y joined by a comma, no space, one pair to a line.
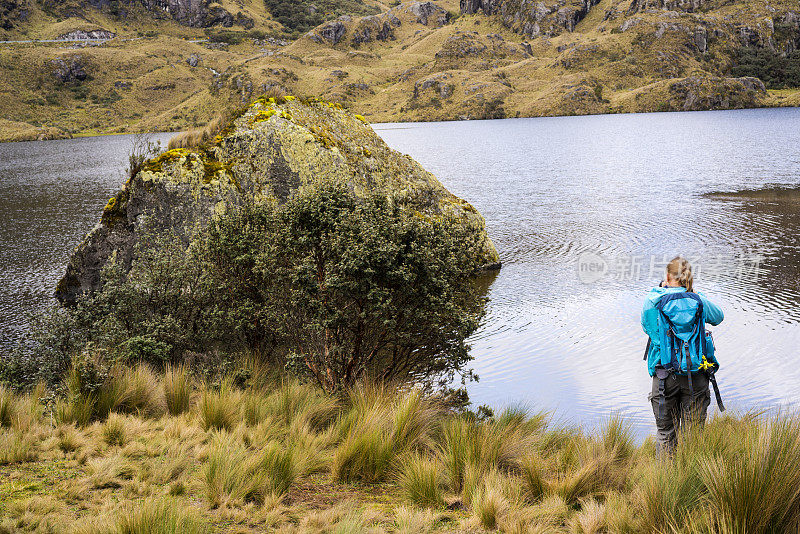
148,453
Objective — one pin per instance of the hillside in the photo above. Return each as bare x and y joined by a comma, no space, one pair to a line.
174,68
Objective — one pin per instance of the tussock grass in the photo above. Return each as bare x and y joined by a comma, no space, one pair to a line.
114,430
759,490
410,520
219,408
177,389
198,136
16,447
125,390
420,481
288,458
236,475
68,439
158,516
488,501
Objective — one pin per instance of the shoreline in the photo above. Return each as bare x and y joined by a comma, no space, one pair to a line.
24,136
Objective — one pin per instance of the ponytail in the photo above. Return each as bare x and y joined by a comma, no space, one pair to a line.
680,270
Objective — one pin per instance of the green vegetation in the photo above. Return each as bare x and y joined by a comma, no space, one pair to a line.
331,288
294,459
777,71
299,17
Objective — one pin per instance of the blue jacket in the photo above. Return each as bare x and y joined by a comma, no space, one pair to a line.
681,312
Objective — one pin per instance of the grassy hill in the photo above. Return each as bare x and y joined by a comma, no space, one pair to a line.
436,60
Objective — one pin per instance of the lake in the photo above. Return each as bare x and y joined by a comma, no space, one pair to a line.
584,212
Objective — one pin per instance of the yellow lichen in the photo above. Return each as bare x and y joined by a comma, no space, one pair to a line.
361,118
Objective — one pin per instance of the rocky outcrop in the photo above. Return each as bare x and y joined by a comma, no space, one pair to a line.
331,31
374,28
270,152
83,35
531,17
697,93
195,13
428,13
363,30
688,6
71,68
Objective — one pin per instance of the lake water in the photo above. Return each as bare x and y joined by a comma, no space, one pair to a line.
583,210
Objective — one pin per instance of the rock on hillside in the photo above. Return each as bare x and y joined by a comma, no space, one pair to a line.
195,13
268,153
379,27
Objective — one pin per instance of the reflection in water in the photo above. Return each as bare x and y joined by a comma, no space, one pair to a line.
623,191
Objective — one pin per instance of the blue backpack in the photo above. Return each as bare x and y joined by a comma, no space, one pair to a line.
686,347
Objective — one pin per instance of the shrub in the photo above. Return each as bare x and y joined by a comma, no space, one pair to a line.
326,258
145,349
775,70
177,389
419,481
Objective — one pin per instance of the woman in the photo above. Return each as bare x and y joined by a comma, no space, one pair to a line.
674,317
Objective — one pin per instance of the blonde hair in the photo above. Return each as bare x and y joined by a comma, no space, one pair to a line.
680,270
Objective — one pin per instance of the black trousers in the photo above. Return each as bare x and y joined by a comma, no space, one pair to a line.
680,407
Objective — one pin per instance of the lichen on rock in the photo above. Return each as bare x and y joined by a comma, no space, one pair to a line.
274,149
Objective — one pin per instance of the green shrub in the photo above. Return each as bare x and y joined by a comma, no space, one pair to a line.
772,68
146,349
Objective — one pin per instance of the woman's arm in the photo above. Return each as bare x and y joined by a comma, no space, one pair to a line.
650,320
713,313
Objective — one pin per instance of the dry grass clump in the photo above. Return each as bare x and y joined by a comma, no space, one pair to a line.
114,430
177,389
16,447
219,408
236,475
420,481
377,429
198,136
124,390
158,516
